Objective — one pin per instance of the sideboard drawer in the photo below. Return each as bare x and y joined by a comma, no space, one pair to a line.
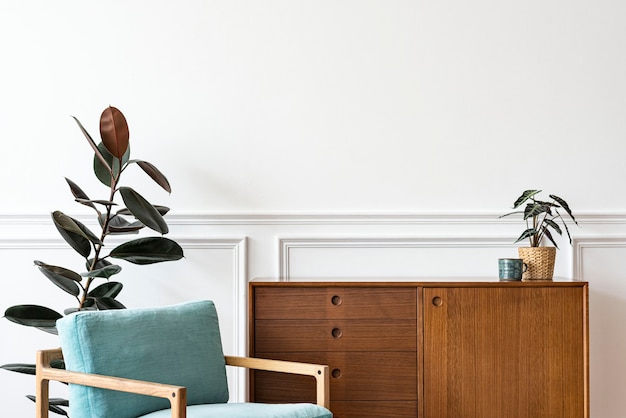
335,335
334,303
379,376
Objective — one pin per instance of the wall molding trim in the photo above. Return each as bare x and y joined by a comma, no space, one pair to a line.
480,218
287,244
239,260
580,244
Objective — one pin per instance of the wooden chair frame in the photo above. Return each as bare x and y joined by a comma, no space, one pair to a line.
176,395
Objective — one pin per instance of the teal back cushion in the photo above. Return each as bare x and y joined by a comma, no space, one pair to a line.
178,345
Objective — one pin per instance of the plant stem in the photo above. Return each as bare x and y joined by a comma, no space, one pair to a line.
103,235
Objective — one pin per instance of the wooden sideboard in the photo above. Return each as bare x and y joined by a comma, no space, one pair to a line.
430,349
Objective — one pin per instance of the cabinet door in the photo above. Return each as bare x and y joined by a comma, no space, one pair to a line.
504,352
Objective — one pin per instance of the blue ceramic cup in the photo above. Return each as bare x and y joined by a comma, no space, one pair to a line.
511,268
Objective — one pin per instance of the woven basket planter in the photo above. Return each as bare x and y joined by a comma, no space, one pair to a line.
540,261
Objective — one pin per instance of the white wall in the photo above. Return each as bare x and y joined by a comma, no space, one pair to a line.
319,138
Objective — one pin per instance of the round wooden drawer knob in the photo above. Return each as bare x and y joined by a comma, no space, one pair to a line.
336,332
437,301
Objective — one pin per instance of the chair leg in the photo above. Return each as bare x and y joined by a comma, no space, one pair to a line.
178,403
42,394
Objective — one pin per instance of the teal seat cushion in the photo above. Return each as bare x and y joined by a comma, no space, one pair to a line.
250,410
178,345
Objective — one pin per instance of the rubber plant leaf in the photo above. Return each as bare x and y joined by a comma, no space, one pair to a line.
98,201
528,194
99,264
106,172
119,225
79,195
93,145
143,210
148,251
59,271
63,278
114,132
106,303
154,174
74,233
55,401
163,210
20,368
104,272
32,316
106,290
53,405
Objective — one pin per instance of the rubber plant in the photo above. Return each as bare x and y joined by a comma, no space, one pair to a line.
94,288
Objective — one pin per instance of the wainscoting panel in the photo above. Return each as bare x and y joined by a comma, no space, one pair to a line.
601,261
212,269
459,257
223,252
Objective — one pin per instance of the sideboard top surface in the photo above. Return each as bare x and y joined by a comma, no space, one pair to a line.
413,281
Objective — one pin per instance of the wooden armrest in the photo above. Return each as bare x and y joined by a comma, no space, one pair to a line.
318,371
177,395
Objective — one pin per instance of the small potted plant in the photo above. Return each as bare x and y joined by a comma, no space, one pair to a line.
542,218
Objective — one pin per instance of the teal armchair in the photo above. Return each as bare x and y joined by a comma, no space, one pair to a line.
158,363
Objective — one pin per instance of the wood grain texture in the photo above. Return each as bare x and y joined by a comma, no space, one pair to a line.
500,352
480,350
335,335
353,376
335,303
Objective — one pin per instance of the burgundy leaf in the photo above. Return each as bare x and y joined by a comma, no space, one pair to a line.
114,131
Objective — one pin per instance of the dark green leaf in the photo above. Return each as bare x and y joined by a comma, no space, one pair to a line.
72,234
154,174
107,290
547,233
61,277
534,209
60,271
98,155
565,206
53,405
78,193
104,272
143,210
162,210
20,368
99,264
527,234
553,225
114,131
565,226
511,213
103,173
53,401
528,194
32,316
100,202
107,303
119,225
75,233
148,250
